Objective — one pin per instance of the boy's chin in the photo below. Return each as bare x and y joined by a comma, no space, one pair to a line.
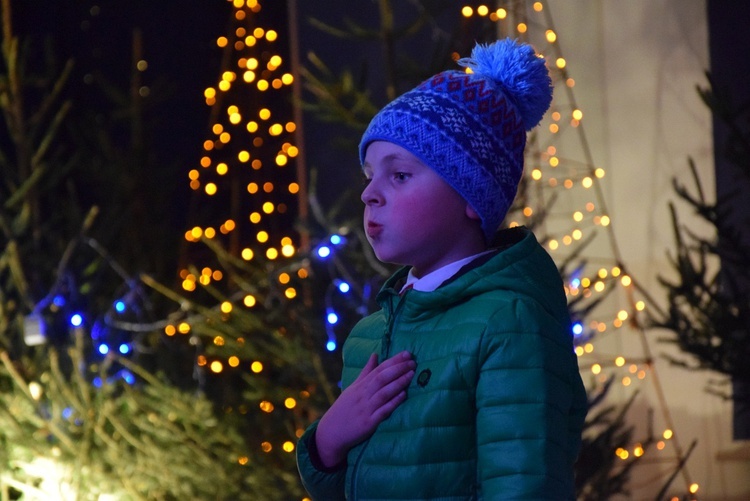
388,258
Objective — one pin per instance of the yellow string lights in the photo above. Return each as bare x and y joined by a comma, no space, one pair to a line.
246,185
579,217
250,145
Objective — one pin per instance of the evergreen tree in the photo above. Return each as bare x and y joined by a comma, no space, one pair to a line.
708,312
94,400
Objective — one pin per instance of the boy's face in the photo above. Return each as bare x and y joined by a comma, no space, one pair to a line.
413,217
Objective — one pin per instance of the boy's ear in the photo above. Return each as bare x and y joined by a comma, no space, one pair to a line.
471,213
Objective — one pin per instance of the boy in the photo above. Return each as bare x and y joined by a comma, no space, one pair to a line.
465,385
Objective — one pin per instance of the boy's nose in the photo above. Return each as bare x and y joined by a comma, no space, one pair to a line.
370,195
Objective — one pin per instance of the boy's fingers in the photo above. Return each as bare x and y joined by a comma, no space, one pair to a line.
372,364
389,406
392,369
396,359
390,391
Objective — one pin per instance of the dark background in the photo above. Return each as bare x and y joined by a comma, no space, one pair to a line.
179,43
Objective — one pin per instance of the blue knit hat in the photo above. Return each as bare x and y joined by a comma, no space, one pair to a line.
470,126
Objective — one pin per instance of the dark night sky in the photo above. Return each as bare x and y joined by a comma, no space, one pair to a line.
179,44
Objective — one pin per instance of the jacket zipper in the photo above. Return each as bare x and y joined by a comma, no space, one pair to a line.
385,351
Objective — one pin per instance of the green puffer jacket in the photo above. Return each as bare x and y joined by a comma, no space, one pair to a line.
496,407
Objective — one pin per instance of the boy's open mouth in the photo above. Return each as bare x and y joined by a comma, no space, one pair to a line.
373,229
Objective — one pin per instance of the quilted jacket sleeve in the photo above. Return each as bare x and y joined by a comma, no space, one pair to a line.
321,485
530,406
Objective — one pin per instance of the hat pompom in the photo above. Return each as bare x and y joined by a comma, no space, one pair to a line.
521,74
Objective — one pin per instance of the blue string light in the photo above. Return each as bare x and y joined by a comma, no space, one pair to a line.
76,320
127,376
337,240
119,306
577,329
332,317
103,349
342,286
324,250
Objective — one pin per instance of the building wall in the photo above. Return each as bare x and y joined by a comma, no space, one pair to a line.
636,66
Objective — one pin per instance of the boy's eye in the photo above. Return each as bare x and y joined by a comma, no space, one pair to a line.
400,176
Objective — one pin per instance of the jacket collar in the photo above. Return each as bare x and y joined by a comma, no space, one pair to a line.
511,247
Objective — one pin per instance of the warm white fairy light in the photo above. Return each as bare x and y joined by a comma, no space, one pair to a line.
266,148
259,67
553,171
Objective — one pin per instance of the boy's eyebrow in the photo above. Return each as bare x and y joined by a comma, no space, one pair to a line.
399,157
391,158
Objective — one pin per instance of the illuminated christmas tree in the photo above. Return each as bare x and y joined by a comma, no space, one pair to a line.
245,278
79,419
95,401
246,185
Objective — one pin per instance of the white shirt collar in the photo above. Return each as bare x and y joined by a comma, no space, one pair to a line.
432,280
